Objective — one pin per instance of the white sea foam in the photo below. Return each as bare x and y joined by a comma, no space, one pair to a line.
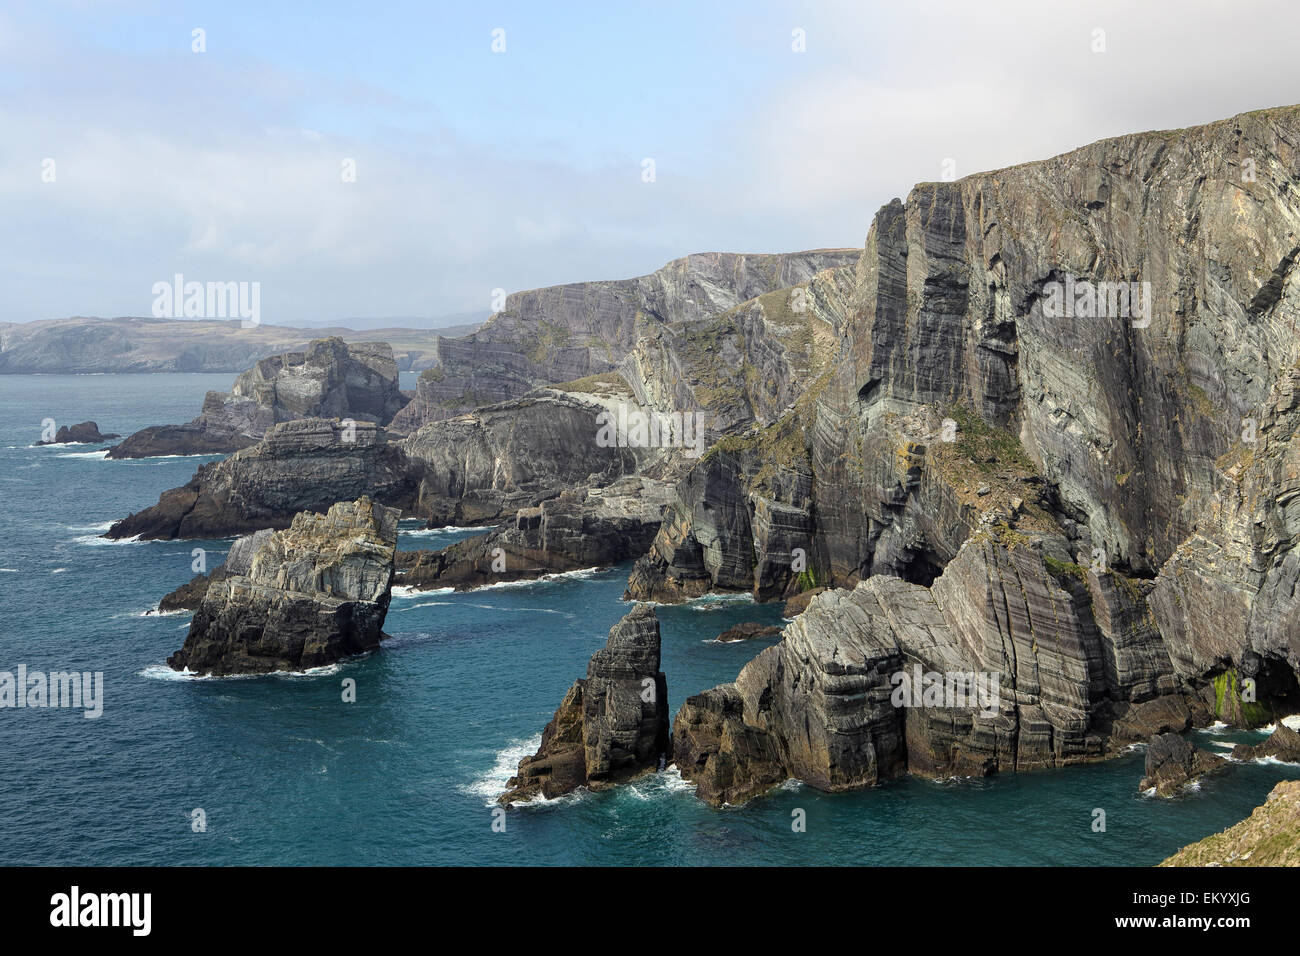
10,571
100,528
165,673
404,592
492,784
58,570
1217,727
578,575
99,541
445,529
101,454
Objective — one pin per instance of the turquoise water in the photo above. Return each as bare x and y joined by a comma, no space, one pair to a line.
289,774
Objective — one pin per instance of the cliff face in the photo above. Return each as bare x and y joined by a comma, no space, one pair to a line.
568,332
312,594
303,465
1155,440
329,379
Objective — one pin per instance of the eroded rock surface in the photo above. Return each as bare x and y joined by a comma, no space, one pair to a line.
328,379
1173,762
611,726
313,594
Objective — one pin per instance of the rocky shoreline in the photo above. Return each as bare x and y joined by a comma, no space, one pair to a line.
1009,538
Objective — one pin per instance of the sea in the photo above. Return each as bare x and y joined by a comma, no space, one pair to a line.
282,769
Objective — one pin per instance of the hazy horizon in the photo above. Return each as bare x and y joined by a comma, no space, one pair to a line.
575,145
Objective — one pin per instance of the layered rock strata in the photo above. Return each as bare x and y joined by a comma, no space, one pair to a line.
611,726
313,594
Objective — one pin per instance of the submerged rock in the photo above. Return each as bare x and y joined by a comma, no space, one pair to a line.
1172,763
611,726
748,631
311,595
85,433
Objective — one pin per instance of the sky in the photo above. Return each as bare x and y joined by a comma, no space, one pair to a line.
771,127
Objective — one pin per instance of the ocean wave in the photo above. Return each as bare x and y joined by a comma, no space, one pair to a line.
445,529
58,570
1217,727
492,784
10,571
101,454
577,575
99,541
164,673
404,592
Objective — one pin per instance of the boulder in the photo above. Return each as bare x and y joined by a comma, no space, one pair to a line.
1172,763
748,631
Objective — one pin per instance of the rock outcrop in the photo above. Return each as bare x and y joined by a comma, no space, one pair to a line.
1172,763
562,333
303,465
85,433
611,726
1282,744
748,631
312,594
239,560
328,379
1270,836
1014,659
576,530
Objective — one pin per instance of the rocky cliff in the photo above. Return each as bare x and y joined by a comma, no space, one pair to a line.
1100,346
312,594
611,726
579,529
303,465
328,379
562,333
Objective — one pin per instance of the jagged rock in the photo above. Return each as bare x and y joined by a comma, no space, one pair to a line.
313,594
1051,664
299,466
1172,763
328,379
487,465
1283,743
748,631
239,560
85,433
577,530
1270,836
562,333
611,725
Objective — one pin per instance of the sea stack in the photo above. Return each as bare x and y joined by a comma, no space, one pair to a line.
313,593
611,726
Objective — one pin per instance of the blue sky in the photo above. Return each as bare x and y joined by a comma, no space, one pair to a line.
479,170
